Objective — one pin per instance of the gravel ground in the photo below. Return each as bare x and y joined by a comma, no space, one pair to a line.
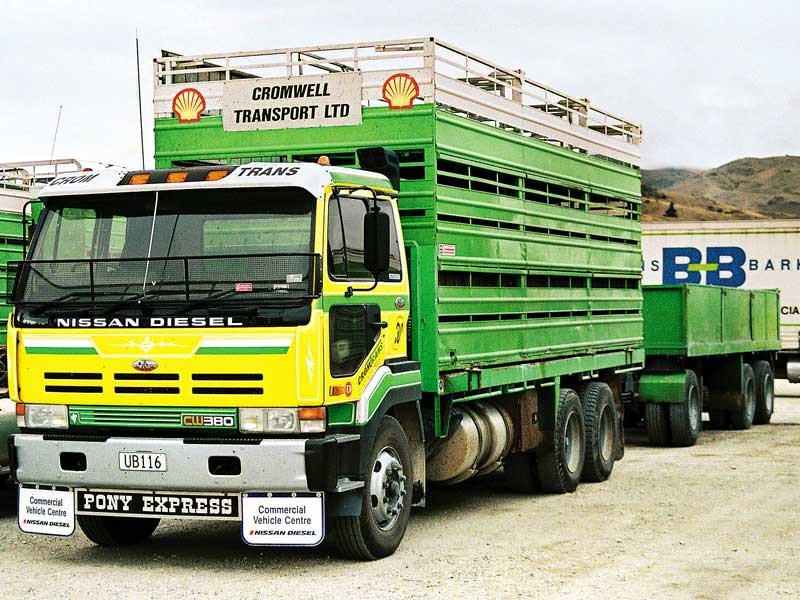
718,520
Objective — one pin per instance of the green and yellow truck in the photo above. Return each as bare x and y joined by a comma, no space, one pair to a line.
357,269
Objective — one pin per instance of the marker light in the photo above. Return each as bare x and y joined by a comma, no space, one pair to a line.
177,177
324,161
312,419
216,175
139,179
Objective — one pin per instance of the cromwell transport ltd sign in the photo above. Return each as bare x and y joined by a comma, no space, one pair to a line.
284,102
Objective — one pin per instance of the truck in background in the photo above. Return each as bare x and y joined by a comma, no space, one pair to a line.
19,182
738,254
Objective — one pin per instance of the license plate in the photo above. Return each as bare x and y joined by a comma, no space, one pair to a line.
157,504
283,518
46,510
142,461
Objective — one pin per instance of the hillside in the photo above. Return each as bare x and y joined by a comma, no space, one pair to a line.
659,179
747,188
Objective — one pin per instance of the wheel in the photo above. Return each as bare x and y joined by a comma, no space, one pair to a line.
520,472
4,370
656,420
765,392
718,419
559,464
600,420
385,507
116,531
686,417
742,417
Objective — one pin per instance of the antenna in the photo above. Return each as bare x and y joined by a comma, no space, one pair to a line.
139,89
55,135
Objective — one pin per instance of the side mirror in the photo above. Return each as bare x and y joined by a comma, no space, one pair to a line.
376,242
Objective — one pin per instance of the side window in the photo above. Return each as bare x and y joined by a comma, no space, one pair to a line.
346,239
348,338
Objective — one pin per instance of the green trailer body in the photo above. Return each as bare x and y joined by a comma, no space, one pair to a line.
697,320
708,348
524,257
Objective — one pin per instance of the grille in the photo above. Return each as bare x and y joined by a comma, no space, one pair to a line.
143,416
94,376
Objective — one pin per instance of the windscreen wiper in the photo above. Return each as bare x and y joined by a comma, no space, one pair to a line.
45,305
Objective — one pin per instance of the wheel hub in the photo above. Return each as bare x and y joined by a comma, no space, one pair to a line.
606,434
387,488
572,443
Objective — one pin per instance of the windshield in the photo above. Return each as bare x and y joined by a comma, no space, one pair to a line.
173,246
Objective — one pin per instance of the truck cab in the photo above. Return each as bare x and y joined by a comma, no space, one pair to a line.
210,329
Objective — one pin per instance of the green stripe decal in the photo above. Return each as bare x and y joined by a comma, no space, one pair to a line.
53,350
386,381
341,414
244,350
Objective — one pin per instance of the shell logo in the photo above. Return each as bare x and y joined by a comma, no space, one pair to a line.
188,104
400,90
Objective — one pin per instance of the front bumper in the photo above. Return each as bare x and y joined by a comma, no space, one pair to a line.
292,465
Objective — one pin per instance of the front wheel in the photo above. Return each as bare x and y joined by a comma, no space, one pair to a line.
116,531
386,499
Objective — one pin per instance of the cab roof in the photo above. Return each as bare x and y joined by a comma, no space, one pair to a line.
312,177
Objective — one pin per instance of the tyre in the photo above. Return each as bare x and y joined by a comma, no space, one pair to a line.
602,438
686,417
656,420
520,473
386,501
559,464
742,417
765,392
116,531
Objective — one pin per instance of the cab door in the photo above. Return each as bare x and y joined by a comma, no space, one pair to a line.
362,322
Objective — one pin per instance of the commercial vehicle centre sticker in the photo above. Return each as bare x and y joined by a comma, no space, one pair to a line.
48,511
283,518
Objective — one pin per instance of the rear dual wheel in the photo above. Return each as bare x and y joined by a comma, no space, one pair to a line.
686,417
602,431
742,417
765,392
559,464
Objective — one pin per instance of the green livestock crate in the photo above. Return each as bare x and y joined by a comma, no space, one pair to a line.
523,248
702,320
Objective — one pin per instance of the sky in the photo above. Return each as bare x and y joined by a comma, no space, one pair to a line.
709,80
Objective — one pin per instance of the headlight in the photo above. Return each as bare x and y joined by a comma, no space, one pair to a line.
281,420
46,416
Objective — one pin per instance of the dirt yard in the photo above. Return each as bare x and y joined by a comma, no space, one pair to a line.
719,520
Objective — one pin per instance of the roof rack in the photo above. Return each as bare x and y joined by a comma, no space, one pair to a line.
453,79
26,175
